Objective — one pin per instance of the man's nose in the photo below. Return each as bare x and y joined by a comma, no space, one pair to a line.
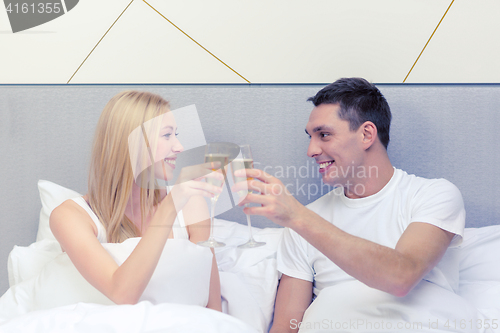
313,149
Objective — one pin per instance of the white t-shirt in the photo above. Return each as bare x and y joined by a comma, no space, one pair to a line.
380,218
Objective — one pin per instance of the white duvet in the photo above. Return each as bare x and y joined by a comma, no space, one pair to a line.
141,317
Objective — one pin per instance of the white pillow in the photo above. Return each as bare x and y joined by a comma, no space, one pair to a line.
51,195
59,283
480,254
182,275
480,267
352,306
25,263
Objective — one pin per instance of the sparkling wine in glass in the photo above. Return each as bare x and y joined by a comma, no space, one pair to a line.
215,153
245,162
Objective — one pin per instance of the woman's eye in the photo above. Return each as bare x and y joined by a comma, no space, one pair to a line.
168,135
176,134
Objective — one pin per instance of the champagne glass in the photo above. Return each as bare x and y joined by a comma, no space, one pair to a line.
215,152
246,162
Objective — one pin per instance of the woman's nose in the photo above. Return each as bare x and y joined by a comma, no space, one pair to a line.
177,146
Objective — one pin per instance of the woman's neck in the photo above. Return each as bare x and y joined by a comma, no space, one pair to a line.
133,209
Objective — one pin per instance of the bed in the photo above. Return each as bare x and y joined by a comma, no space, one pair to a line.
434,134
47,294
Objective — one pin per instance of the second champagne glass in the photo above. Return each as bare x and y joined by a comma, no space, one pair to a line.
215,153
246,162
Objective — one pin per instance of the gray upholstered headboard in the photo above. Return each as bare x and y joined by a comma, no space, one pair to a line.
437,131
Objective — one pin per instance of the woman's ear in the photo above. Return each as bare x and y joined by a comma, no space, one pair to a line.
369,134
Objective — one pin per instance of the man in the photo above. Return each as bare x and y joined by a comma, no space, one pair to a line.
379,227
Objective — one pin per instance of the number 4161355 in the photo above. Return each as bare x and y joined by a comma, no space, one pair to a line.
40,8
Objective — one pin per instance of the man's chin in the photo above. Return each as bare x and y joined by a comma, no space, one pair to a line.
333,182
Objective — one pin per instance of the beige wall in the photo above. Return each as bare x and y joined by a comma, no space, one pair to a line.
260,41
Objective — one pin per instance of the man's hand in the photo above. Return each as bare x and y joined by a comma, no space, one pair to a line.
277,204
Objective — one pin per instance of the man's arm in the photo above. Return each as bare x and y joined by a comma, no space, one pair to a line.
395,271
293,298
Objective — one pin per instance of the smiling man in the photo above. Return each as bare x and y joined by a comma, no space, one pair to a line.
375,239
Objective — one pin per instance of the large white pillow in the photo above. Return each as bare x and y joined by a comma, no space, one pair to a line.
182,275
26,262
480,267
58,283
480,254
51,195
352,306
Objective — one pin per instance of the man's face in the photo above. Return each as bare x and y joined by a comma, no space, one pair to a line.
334,146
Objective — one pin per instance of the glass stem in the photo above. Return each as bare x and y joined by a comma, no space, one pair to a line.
212,213
249,225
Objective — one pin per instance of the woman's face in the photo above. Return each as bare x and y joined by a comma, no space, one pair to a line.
167,148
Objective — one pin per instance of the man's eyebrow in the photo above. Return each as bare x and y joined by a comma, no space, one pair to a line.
321,128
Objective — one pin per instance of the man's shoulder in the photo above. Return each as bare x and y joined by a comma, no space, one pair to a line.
418,184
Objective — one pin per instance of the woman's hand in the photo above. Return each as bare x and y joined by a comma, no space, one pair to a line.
191,183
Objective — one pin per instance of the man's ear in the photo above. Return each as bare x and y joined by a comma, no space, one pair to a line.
369,134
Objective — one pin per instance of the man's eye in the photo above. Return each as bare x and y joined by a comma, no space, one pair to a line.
323,135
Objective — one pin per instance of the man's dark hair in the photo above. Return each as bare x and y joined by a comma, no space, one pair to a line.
359,101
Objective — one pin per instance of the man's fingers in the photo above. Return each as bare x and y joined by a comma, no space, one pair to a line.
262,211
260,187
254,198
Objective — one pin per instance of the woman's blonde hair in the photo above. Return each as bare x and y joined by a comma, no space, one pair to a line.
111,172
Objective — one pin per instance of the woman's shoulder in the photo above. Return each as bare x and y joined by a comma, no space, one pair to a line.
70,212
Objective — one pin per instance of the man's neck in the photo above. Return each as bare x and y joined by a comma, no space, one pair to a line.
378,172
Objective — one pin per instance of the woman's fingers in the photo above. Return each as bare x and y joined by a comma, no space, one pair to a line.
198,172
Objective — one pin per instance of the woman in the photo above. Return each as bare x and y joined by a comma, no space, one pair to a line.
125,201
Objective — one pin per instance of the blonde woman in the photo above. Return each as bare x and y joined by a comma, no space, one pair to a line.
124,202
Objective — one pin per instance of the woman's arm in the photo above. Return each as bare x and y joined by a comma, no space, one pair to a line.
124,284
75,231
197,210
